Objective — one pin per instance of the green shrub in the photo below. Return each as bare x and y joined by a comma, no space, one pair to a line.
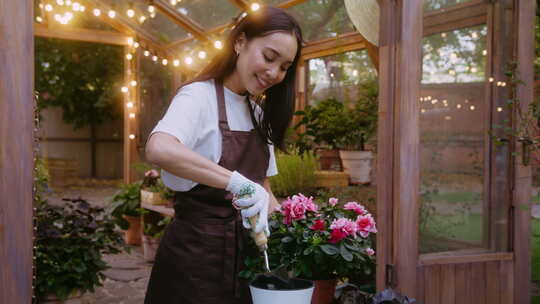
296,174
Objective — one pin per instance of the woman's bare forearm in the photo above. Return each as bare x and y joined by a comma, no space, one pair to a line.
170,154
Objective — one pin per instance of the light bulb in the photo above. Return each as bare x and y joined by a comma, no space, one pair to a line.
146,53
151,9
142,19
499,109
39,19
131,136
131,115
96,12
60,2
173,2
218,44
129,104
188,60
135,44
48,8
124,89
164,61
129,56
133,83
111,14
202,54
76,6
154,58
130,13
255,6
130,40
176,62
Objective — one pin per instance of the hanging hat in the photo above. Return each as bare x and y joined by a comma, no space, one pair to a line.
364,14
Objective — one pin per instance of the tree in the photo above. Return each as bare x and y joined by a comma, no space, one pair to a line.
81,78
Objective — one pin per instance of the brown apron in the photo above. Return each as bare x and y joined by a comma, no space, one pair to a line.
203,248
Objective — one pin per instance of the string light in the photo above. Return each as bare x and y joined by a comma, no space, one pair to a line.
131,136
218,44
188,60
60,2
458,106
129,56
142,19
68,2
124,89
146,53
133,83
97,12
484,52
130,40
130,13
164,61
39,19
176,62
132,115
48,8
173,2
129,104
76,6
151,9
355,73
202,54
472,108
154,58
135,44
423,110
112,14
448,117
491,79
82,8
255,6
499,109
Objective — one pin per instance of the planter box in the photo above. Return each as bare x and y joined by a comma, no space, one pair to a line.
331,179
152,198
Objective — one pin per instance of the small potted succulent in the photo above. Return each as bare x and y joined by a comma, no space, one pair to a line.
125,209
153,191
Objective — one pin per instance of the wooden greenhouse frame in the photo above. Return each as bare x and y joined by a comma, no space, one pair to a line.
501,276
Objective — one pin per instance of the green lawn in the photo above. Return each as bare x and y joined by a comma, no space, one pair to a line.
535,228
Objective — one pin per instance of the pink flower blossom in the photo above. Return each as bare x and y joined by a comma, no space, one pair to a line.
295,208
370,251
336,236
356,207
151,173
366,224
345,225
318,225
333,201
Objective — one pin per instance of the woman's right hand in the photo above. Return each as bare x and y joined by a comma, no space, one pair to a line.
252,198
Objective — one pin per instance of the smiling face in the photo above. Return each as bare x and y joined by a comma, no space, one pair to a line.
262,62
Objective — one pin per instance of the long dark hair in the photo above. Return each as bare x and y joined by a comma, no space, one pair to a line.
279,100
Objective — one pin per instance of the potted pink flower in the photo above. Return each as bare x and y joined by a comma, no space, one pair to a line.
322,242
153,191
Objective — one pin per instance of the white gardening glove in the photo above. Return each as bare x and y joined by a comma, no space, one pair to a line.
252,198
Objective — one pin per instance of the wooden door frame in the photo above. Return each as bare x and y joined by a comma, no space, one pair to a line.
398,155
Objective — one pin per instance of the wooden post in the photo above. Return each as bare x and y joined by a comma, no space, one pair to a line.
521,196
16,150
399,81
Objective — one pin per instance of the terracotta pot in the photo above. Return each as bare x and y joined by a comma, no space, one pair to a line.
329,160
150,246
324,291
133,234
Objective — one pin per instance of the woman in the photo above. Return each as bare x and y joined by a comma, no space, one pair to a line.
214,144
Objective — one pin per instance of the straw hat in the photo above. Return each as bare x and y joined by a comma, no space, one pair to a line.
364,14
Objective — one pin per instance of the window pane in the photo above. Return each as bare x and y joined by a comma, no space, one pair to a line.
338,76
431,5
453,129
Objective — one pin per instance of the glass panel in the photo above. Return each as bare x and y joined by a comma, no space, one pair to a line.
453,129
322,19
156,94
208,14
431,5
338,76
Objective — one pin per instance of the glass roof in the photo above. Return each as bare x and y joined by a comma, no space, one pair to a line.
319,19
208,13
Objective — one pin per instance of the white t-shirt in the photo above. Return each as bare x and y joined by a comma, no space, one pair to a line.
192,118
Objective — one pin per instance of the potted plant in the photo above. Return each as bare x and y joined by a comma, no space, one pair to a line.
153,191
154,225
125,209
321,242
70,242
361,124
322,129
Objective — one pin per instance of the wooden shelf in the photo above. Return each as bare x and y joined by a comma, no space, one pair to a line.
167,211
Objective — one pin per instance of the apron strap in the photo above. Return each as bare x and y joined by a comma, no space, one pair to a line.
222,110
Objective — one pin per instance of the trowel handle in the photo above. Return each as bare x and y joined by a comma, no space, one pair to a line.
260,238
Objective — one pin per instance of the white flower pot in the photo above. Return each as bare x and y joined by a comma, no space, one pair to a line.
358,165
296,296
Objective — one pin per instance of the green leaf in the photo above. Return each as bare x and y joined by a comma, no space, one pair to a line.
345,254
329,249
